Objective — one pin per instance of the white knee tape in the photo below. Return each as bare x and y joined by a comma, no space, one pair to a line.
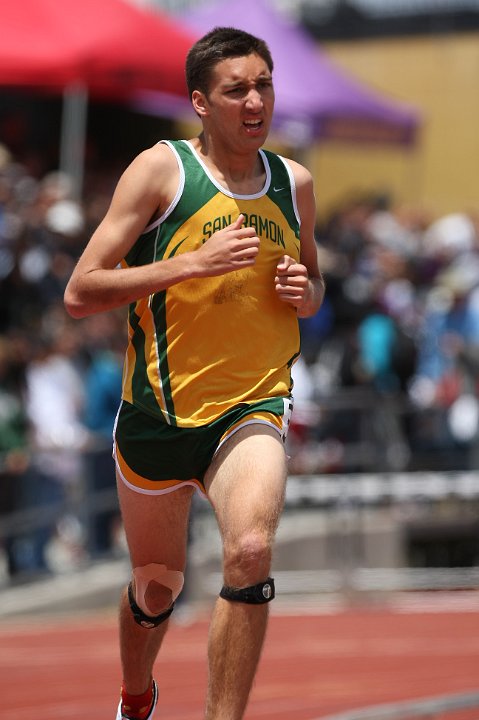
172,579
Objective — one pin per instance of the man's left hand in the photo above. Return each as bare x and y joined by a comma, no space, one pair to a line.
292,281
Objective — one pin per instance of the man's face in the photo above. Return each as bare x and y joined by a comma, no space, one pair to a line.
240,100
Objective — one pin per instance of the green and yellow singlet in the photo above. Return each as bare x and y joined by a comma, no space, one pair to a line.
205,345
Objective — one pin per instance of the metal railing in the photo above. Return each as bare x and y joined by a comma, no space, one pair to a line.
412,709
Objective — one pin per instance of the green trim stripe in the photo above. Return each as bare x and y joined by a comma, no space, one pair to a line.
142,392
159,311
282,200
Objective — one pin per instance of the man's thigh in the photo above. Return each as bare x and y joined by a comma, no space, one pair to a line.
156,526
246,481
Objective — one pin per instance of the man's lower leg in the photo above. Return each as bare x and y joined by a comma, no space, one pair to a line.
236,638
138,649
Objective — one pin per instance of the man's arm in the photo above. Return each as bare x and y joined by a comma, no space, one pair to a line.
302,284
144,191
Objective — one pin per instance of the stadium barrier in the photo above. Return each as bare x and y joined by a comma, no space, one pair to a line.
413,709
321,510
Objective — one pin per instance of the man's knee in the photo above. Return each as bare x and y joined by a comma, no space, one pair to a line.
153,592
249,557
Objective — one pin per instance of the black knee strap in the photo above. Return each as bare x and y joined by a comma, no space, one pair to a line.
142,618
258,594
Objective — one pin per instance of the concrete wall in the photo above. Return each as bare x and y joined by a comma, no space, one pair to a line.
440,76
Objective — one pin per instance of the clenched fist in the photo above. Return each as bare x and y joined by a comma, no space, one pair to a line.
291,281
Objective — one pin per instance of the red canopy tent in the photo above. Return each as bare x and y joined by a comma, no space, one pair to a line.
110,46
89,48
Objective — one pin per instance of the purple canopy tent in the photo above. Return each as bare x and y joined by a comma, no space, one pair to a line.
314,98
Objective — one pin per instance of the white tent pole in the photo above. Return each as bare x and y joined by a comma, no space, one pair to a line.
73,135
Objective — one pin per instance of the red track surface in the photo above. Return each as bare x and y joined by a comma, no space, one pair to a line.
312,665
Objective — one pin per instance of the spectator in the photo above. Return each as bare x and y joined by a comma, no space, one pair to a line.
54,402
104,343
14,450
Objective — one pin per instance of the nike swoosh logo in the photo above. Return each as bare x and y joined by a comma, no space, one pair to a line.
279,189
173,252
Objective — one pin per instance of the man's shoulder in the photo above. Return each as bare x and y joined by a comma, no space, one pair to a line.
155,165
159,154
301,174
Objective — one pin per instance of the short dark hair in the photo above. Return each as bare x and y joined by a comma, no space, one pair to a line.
217,45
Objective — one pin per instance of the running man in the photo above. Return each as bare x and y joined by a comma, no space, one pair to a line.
211,243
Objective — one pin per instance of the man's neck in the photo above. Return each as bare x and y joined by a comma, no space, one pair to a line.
243,174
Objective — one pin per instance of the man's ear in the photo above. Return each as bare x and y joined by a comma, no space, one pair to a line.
200,103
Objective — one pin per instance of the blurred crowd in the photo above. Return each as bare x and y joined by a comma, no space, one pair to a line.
387,379
60,380
390,364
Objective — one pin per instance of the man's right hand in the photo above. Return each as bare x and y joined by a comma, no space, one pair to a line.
233,248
